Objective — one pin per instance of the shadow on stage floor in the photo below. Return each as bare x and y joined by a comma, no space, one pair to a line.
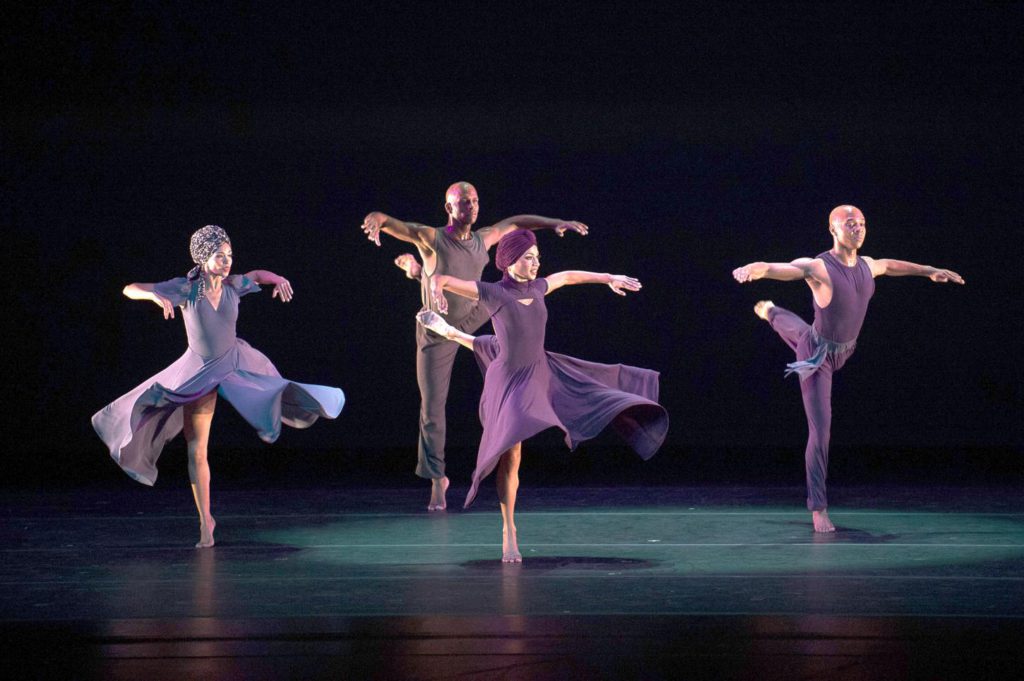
647,582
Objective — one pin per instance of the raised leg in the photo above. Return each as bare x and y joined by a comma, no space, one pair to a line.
507,479
790,327
198,416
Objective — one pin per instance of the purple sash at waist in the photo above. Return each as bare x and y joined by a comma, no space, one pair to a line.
823,347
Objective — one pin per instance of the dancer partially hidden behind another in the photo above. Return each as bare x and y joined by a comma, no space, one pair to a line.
183,396
527,390
458,250
841,284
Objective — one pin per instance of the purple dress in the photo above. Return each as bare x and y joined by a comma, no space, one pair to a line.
136,425
528,390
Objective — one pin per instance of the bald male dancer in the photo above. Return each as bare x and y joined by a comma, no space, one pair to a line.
460,251
841,283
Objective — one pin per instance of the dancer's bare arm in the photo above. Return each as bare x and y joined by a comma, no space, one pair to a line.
491,235
419,235
902,268
139,291
444,282
811,270
619,283
282,287
801,268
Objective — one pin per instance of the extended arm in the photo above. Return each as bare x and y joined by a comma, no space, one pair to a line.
801,268
902,268
147,292
443,282
491,235
619,283
282,287
376,222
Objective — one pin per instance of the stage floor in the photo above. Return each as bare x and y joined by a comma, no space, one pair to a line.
627,582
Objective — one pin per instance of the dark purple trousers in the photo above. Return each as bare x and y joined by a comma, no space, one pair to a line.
817,395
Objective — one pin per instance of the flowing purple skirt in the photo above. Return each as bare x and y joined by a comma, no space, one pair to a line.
579,397
136,426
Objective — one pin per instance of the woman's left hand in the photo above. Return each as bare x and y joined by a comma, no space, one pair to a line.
283,290
620,283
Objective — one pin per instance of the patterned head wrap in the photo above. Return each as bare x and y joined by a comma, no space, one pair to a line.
512,246
204,243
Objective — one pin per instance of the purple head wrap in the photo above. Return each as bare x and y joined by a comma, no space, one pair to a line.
204,242
512,246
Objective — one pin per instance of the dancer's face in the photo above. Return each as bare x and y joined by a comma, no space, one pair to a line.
462,203
848,227
526,268
219,264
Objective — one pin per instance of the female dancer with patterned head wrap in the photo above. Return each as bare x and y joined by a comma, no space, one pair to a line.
183,396
527,390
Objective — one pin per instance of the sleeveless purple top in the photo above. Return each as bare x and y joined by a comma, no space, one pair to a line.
852,288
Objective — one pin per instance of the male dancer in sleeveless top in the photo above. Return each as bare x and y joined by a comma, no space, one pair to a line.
841,285
459,251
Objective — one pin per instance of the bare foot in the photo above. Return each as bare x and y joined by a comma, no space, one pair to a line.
761,308
510,548
438,488
206,534
821,521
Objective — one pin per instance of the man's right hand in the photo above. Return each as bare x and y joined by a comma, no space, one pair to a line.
372,224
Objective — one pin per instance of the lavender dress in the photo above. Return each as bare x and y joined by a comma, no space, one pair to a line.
136,425
528,390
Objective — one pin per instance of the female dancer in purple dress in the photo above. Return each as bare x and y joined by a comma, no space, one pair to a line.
527,390
183,396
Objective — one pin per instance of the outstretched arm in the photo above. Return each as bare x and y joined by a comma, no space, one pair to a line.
902,268
801,268
491,235
435,323
619,283
282,287
377,222
147,292
443,282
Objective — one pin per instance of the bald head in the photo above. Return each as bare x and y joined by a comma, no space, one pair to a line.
840,214
462,204
848,228
458,190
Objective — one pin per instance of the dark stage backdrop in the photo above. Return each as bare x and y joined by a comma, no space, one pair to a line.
690,144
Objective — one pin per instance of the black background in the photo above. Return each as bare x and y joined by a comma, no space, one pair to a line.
691,142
